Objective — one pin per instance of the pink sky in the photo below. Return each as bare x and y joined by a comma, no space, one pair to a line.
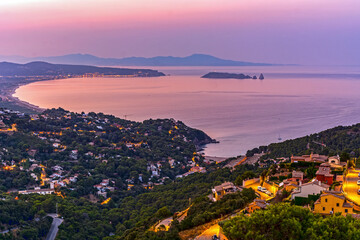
282,31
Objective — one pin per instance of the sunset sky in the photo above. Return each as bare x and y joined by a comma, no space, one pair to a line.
276,31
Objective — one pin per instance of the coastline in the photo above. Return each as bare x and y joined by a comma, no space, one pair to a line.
22,103
8,100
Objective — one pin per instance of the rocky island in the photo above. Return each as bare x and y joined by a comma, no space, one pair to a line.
223,75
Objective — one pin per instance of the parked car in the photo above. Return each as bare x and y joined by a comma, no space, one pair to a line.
359,174
263,189
215,237
358,191
259,188
358,182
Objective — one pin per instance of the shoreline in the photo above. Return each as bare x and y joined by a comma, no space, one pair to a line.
8,100
22,103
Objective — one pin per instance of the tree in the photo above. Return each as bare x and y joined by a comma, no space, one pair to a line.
344,156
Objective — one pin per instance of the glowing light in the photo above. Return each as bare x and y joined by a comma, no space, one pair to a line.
106,201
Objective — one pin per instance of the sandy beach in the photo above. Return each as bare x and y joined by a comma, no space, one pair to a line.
8,89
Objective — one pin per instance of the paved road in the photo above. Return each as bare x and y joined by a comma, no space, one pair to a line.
166,222
263,196
210,232
54,228
350,186
254,159
235,162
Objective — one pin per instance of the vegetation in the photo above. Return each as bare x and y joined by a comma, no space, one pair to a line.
203,210
343,141
283,221
23,220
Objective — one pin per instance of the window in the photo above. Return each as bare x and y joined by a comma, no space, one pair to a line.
337,204
346,210
323,208
325,199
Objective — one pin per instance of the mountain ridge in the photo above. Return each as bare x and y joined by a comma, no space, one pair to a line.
191,60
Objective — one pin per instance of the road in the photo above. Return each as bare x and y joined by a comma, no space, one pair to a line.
54,228
235,162
166,222
210,232
350,186
263,196
254,159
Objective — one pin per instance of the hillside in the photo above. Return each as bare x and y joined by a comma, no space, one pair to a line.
329,142
48,69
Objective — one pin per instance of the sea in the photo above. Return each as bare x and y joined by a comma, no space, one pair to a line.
291,102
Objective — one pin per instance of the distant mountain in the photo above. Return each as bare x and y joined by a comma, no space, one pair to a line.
48,69
193,60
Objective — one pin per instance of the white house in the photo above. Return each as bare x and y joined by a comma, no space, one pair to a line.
310,188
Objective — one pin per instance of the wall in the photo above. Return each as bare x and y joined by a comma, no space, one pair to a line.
246,183
273,188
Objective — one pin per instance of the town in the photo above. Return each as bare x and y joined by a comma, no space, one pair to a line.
64,148
107,161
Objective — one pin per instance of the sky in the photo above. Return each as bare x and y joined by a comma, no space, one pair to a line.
314,32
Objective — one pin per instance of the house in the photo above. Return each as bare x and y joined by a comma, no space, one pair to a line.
256,205
310,188
331,202
309,158
290,187
198,169
222,190
105,182
298,175
324,175
334,160
33,175
57,168
38,191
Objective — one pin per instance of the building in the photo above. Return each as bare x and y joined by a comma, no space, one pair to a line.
309,158
222,190
38,191
290,187
331,202
310,188
298,175
324,175
256,205
334,160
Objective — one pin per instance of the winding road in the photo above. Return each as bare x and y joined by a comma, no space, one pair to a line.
54,228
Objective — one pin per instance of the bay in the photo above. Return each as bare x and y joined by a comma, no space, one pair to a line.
292,101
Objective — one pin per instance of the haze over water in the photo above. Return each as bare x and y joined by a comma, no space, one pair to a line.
241,114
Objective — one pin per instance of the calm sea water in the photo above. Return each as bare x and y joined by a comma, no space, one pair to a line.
241,114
